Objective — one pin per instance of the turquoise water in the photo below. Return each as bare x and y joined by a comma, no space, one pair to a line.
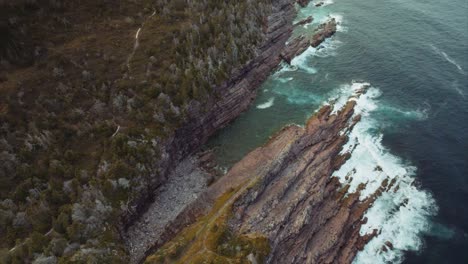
415,56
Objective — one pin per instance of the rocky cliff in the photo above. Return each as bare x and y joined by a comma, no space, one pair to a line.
145,230
283,192
103,105
231,99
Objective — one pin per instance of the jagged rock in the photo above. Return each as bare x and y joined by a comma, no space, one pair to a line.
304,21
294,48
287,192
324,31
319,4
232,98
389,244
303,3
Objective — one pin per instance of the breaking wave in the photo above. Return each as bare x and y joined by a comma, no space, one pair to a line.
301,62
339,22
267,104
328,48
326,2
401,213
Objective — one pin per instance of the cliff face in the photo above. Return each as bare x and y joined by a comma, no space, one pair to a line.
306,214
230,100
143,232
285,192
235,96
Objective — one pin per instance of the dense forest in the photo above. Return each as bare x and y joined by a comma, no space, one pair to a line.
89,89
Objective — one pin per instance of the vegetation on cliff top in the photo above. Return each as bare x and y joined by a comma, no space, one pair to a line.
210,240
81,127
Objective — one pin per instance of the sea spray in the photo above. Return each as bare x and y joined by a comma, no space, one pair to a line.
302,63
401,214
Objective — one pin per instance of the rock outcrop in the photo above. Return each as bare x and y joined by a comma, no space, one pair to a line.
304,21
303,3
299,44
295,47
230,100
307,215
235,96
285,191
324,31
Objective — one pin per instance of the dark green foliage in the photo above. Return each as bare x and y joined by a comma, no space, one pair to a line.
80,130
37,243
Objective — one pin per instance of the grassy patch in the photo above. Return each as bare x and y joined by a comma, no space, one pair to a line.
210,240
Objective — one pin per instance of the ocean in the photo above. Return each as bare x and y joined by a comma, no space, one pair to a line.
414,54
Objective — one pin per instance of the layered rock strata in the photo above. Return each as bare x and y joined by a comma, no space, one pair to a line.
285,191
229,100
141,234
300,43
304,21
324,31
295,47
307,215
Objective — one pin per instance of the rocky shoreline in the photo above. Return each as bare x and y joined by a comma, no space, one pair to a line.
299,44
285,191
230,100
144,231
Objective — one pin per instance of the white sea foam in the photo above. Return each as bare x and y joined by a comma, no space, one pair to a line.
302,63
267,104
285,80
284,67
328,48
401,214
325,3
447,58
339,22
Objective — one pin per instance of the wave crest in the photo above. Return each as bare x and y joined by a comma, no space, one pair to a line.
401,213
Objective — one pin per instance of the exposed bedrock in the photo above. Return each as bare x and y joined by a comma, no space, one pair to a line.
304,21
303,3
230,100
295,47
306,213
324,31
142,234
285,191
319,4
300,43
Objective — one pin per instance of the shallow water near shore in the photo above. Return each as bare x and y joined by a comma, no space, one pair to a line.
415,55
